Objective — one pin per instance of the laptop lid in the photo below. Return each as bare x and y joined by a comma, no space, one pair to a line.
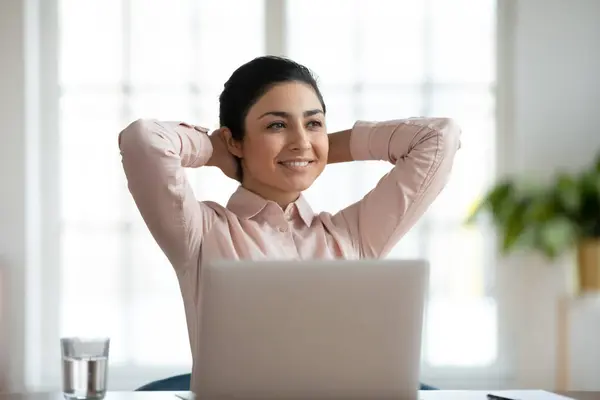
311,330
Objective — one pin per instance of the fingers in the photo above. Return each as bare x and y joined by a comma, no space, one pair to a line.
196,127
201,129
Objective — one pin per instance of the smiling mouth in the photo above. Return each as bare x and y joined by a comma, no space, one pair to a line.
295,164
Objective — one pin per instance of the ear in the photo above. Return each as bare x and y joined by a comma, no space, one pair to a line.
233,146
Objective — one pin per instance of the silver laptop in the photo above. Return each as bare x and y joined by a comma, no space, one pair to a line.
311,330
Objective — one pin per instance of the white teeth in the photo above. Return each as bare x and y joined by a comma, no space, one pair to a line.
296,163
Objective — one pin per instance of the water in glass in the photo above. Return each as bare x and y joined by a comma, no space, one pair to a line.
85,368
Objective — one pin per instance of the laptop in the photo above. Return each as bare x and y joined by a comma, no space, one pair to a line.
311,330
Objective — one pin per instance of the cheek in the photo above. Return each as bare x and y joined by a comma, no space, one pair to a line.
321,146
260,154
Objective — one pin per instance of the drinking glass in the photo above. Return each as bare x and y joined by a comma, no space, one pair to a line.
84,367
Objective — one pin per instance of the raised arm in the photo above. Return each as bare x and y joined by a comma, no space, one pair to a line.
154,155
422,151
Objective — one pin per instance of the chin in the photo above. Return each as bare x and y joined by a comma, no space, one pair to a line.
296,188
296,185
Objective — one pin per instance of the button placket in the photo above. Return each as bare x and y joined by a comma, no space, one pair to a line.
288,217
287,239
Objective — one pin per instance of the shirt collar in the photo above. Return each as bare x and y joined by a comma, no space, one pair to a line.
246,204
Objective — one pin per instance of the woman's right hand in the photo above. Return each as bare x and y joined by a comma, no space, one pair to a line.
221,157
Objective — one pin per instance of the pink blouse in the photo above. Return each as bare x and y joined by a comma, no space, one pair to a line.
249,227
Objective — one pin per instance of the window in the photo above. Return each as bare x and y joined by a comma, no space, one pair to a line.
383,59
405,58
121,60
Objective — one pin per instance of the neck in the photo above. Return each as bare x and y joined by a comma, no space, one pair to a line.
283,199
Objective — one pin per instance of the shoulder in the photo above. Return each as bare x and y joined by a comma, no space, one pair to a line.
338,228
219,210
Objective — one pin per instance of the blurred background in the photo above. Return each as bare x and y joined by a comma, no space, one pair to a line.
520,76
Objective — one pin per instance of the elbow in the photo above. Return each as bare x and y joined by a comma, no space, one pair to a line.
447,126
135,134
450,130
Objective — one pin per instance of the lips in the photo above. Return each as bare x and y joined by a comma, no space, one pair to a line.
296,165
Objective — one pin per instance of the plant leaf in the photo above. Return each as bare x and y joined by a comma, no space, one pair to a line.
493,201
567,192
514,225
556,236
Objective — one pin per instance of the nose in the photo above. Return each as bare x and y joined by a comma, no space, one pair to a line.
300,139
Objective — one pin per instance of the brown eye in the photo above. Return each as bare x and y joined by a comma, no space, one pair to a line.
275,126
315,124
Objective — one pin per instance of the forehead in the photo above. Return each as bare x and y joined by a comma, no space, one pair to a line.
291,97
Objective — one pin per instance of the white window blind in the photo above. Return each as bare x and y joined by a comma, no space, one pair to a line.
168,59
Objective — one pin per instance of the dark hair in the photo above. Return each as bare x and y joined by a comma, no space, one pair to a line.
250,81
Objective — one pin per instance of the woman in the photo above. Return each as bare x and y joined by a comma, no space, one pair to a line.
273,139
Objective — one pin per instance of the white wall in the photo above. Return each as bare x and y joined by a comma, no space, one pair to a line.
12,187
554,106
551,106
557,83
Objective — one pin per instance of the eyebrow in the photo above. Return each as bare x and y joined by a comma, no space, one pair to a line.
283,114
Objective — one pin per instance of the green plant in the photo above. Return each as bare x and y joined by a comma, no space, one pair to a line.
549,218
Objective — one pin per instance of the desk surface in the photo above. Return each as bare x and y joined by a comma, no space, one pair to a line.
425,395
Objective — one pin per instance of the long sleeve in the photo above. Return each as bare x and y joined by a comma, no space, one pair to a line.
154,155
422,151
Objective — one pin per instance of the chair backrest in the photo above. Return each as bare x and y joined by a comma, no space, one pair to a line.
177,383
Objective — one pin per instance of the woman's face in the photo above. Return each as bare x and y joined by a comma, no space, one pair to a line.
285,146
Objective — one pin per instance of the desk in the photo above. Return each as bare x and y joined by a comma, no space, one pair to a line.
425,395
